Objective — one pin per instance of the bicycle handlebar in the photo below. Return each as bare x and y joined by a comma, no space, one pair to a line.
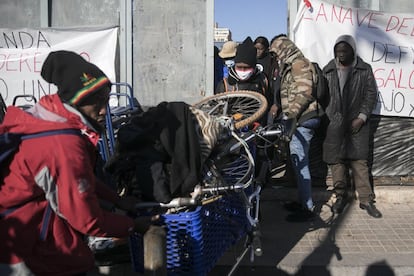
270,133
262,132
176,202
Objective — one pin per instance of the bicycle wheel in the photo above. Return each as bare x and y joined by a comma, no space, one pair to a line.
233,169
247,104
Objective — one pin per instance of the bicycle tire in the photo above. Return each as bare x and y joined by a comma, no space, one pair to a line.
251,105
231,170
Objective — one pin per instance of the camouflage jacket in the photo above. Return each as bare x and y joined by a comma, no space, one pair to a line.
296,81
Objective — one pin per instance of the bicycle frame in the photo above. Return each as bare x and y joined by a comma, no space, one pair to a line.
204,194
226,200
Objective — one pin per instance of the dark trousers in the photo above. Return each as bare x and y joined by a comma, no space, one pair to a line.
360,174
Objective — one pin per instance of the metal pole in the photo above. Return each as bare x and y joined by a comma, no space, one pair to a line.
155,260
125,44
44,14
209,88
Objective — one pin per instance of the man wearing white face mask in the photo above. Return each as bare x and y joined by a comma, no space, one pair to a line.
245,74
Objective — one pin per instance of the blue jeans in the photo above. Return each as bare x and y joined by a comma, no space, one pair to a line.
299,155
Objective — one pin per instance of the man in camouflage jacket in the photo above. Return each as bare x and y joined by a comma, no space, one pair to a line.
298,107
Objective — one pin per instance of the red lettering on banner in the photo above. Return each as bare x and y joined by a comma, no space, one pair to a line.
411,80
321,13
380,81
369,19
402,26
9,62
394,25
37,62
395,78
86,56
363,18
372,18
391,25
23,62
348,16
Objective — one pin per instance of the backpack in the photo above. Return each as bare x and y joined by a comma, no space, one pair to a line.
320,89
9,141
9,144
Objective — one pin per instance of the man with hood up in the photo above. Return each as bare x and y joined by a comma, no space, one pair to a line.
300,115
353,93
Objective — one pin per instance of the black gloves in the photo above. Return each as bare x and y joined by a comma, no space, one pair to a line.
289,127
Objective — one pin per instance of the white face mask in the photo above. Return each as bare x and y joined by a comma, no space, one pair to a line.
229,63
244,74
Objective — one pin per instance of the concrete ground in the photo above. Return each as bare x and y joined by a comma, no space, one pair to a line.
351,244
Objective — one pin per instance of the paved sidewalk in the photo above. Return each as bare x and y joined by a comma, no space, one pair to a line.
350,244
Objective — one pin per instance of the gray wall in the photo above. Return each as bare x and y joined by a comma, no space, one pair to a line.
19,14
75,13
169,50
170,60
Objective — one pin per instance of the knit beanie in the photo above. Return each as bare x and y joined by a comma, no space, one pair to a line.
75,78
246,53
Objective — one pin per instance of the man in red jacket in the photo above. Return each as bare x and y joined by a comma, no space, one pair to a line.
56,173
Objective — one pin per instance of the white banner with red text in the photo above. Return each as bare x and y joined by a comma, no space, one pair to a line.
23,51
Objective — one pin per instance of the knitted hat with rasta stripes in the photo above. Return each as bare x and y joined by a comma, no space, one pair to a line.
75,78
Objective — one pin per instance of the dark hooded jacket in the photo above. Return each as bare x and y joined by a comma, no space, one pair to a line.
359,96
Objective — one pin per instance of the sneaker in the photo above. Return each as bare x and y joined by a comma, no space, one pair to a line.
303,215
292,206
340,204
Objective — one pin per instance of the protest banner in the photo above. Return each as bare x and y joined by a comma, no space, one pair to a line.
23,51
384,40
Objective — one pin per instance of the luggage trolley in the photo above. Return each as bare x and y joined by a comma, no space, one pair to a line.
227,210
225,206
127,105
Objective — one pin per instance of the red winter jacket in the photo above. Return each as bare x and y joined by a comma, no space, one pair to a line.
57,171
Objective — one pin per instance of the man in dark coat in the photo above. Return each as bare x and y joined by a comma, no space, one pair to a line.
353,93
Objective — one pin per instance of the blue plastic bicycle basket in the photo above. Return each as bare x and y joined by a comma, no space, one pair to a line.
197,239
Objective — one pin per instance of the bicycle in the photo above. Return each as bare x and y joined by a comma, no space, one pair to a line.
226,201
221,211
